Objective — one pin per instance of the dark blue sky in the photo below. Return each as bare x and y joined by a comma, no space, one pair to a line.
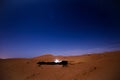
31,28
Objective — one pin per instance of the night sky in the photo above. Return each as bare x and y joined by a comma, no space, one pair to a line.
30,28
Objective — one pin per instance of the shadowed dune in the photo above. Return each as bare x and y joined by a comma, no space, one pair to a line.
104,66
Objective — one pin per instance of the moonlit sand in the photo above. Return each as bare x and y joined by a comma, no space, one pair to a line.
103,66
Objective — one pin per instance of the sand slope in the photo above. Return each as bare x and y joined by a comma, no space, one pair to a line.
104,66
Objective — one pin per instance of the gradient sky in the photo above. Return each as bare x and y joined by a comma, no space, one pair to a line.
30,28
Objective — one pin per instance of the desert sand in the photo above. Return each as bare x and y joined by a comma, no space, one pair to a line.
102,66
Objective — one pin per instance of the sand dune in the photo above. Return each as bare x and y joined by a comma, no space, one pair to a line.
104,66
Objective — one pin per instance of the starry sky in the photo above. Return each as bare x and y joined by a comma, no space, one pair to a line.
30,28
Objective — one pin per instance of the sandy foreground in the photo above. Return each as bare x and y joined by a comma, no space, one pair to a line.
103,66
